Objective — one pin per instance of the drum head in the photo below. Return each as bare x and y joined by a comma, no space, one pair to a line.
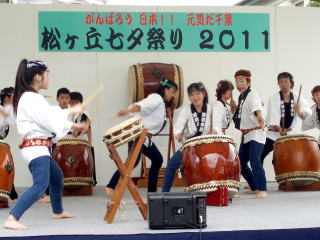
122,125
207,139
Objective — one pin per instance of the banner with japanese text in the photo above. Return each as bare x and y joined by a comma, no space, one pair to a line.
153,32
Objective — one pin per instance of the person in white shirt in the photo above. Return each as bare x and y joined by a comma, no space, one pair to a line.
311,120
63,99
37,122
153,114
281,117
193,120
248,118
7,119
6,111
222,110
77,98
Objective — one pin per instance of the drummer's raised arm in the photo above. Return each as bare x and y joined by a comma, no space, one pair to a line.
133,108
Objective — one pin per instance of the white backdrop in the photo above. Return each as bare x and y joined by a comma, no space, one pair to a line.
294,44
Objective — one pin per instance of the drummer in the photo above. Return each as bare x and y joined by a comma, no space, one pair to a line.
75,99
312,120
6,120
193,120
37,121
154,116
222,110
281,118
63,99
248,118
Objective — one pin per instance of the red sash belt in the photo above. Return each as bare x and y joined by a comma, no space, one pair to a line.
35,142
246,131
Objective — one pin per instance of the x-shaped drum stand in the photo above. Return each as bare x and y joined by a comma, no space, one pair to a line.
125,178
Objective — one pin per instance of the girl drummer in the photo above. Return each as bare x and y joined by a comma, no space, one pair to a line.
222,110
7,120
37,122
153,114
311,121
249,120
193,120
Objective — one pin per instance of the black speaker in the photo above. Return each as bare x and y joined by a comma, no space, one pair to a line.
177,210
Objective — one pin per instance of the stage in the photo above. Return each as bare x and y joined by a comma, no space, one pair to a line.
282,215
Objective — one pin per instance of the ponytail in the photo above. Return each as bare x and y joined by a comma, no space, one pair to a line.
24,78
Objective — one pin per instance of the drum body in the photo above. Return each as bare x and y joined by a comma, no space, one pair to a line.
210,161
296,159
6,170
124,132
144,79
75,159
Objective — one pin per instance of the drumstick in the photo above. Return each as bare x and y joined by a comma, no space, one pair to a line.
211,119
92,96
47,96
299,94
184,127
298,100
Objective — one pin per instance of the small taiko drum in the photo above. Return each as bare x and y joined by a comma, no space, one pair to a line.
296,159
6,171
74,156
209,162
124,132
144,79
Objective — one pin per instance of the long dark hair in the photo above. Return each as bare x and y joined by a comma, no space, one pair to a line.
166,84
25,74
199,87
6,92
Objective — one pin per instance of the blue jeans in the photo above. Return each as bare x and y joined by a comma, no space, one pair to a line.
45,172
173,164
256,178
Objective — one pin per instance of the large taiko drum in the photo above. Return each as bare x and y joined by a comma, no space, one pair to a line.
124,132
296,159
144,79
210,161
74,156
6,170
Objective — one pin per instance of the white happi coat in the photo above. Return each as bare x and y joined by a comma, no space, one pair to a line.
37,119
251,104
6,121
153,112
185,115
274,114
220,115
310,121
